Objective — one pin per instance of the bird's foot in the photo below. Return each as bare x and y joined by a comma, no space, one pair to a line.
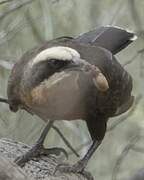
76,168
38,150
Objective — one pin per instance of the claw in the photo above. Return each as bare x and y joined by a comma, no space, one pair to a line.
20,161
76,168
36,151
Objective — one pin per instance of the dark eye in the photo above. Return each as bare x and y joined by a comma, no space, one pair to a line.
55,63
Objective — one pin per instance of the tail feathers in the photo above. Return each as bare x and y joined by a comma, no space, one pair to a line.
112,38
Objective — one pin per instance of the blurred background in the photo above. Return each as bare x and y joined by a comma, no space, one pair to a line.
25,24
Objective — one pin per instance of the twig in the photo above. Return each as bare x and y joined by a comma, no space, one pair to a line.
6,1
35,31
14,7
55,1
6,58
134,57
3,100
116,13
12,32
135,16
141,51
6,64
124,153
131,60
65,140
81,146
138,149
141,66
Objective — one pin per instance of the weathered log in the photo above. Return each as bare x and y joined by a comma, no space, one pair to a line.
40,168
10,171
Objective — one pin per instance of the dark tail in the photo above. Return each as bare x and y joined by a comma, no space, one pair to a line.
112,38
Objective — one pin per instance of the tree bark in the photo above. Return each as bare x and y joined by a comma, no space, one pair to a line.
40,168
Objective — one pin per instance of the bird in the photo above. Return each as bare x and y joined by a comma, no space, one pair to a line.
70,78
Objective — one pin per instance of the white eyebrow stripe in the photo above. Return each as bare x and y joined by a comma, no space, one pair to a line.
58,52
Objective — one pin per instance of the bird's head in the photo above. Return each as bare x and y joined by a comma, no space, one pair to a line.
52,61
58,58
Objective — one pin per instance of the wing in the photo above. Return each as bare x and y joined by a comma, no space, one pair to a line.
124,107
112,38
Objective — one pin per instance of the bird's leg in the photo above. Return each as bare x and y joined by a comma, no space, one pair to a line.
38,148
97,131
81,164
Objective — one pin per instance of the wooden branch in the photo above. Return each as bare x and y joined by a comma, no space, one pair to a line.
40,168
10,171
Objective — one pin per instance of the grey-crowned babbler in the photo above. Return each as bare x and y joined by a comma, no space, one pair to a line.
74,78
